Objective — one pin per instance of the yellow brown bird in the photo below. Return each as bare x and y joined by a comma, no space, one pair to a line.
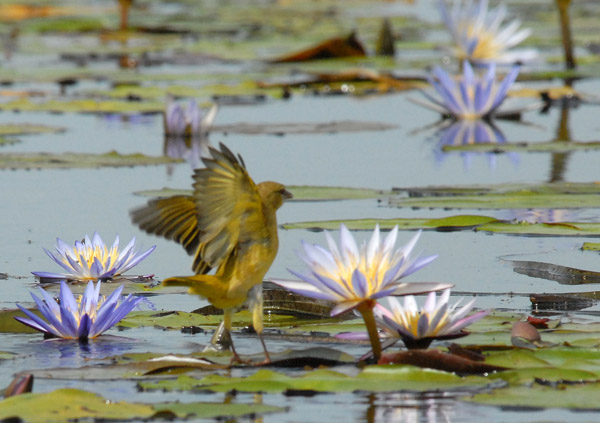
227,224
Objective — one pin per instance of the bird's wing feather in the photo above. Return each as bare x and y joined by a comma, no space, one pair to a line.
173,218
229,206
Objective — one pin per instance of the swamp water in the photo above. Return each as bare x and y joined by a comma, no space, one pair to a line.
43,203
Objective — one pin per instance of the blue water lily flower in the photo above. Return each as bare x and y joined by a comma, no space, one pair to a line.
355,277
470,96
435,320
350,275
187,121
91,259
479,36
83,318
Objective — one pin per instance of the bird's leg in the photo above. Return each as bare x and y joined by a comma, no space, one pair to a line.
255,298
227,325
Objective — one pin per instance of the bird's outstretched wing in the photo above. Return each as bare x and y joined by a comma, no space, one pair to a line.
173,218
229,207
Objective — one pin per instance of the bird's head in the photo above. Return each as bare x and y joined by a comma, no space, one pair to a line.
273,193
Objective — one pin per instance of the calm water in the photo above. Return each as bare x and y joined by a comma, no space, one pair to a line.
40,205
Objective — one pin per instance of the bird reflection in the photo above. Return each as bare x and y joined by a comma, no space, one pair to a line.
407,407
470,131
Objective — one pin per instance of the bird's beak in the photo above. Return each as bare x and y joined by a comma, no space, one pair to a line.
286,195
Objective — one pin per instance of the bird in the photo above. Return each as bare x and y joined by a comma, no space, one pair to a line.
228,224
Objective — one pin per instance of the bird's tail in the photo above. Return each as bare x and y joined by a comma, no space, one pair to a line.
207,286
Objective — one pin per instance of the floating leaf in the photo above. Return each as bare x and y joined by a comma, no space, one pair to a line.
83,106
75,405
523,147
28,129
458,223
582,396
509,200
302,128
70,404
388,378
78,160
564,275
591,246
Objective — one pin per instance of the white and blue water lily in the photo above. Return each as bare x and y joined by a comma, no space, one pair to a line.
187,121
354,277
350,275
83,318
470,96
419,327
479,36
91,259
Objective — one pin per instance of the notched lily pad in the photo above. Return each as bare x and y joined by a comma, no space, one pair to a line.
78,160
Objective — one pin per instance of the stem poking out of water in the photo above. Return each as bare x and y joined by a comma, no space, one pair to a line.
366,310
565,25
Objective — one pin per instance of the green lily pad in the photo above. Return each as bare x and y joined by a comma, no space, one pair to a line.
73,405
70,404
583,396
524,147
457,223
591,246
510,200
388,378
506,188
78,160
27,129
83,106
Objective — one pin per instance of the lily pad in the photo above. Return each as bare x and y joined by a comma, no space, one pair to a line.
78,160
83,106
523,147
28,129
582,396
591,246
509,200
302,128
73,405
564,275
70,404
458,223
387,378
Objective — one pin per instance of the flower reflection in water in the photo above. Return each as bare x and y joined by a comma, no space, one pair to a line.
186,132
542,215
191,149
469,131
410,407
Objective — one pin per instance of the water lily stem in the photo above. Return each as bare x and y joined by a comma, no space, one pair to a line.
366,310
565,25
